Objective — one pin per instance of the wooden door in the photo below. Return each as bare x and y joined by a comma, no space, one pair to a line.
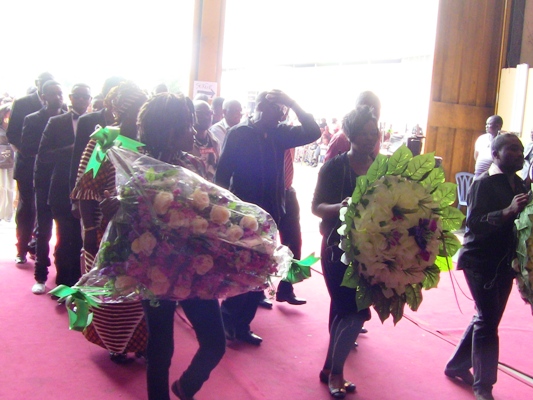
469,54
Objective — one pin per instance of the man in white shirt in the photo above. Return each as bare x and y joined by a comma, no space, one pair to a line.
482,149
232,111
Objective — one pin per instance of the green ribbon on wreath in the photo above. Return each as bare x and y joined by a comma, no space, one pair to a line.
81,317
301,269
105,139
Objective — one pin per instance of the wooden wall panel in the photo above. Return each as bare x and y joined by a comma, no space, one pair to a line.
467,64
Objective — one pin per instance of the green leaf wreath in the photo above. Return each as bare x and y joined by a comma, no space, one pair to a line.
397,232
524,252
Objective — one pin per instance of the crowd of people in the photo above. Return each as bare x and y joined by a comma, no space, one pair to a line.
253,157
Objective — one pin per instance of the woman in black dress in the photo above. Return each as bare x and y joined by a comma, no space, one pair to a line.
335,185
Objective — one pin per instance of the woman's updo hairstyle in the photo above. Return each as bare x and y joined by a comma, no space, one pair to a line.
161,117
355,120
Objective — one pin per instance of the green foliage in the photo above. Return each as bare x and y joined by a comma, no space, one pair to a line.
351,278
399,160
449,245
382,305
377,169
434,179
419,166
444,264
396,309
432,277
413,296
360,188
452,219
445,194
363,296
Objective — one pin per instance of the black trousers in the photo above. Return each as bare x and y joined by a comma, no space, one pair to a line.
205,318
239,311
479,346
45,223
68,247
290,233
289,229
25,214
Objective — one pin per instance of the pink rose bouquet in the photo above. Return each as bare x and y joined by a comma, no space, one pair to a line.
178,236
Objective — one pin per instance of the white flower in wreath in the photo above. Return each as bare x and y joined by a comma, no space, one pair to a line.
405,198
383,197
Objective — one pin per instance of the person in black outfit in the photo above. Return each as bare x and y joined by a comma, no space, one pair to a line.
87,125
494,201
32,131
335,185
251,165
166,128
55,153
23,172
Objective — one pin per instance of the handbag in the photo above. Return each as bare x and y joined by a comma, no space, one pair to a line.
6,156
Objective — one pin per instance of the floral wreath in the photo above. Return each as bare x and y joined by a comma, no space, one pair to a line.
397,232
524,251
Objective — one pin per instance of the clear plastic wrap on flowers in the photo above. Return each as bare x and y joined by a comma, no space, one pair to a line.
177,236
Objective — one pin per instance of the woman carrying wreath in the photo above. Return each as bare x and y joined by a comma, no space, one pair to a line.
335,185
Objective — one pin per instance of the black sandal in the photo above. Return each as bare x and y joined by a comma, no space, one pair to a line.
348,386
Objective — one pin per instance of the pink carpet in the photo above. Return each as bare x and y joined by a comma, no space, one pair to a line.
42,359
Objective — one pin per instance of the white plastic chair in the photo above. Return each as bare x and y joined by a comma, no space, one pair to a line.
463,180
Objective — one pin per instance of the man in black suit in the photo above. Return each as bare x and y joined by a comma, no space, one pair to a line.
55,155
87,125
23,173
32,131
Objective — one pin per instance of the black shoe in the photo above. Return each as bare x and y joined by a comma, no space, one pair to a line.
249,337
266,303
465,376
290,298
178,391
120,358
20,259
484,395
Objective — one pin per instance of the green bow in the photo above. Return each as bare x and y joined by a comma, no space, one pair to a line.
301,269
105,139
81,317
